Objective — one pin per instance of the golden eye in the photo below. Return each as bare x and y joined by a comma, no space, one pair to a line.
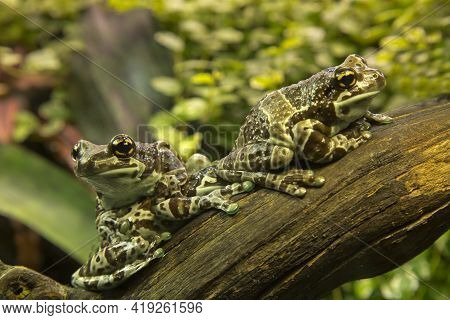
345,77
122,146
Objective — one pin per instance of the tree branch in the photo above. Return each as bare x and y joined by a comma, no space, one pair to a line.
22,283
382,205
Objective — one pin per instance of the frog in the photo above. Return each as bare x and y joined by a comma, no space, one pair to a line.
318,120
144,194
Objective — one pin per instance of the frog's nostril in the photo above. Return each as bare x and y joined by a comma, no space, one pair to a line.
376,76
381,80
76,152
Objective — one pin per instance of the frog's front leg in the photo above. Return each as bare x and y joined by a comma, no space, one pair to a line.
114,263
314,144
181,208
378,118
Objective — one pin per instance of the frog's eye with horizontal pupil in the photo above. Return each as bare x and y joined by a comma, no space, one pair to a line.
345,77
122,146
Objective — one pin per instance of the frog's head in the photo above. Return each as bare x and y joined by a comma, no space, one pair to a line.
343,92
120,171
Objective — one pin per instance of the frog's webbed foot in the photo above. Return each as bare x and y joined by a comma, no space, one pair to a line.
220,198
113,264
292,182
378,118
303,177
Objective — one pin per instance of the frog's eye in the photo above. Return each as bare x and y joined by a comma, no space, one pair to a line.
122,146
345,77
76,152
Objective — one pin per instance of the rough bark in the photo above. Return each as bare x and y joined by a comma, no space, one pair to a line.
382,205
17,283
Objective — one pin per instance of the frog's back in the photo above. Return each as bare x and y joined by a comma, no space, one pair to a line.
159,156
271,117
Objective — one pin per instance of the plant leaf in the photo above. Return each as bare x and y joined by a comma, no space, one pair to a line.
47,199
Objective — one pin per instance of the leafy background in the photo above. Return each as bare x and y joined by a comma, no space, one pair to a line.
92,68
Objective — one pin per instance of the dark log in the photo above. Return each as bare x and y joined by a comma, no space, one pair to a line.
382,204
20,283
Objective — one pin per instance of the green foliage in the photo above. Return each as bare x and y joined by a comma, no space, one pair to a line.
424,277
63,211
56,16
229,53
38,58
54,112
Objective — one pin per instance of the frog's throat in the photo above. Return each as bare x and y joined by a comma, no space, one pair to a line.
355,99
135,188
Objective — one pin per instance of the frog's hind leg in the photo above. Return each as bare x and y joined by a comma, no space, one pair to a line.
257,157
113,264
112,280
255,162
292,182
206,181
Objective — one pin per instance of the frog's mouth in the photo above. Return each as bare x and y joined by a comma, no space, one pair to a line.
356,100
110,169
107,173
132,171
354,107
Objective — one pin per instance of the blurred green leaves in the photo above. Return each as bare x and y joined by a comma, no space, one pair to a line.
170,41
166,85
47,199
424,277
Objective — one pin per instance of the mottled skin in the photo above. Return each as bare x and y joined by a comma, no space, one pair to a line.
142,190
319,120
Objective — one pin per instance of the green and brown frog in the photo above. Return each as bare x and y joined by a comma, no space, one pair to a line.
319,120
139,187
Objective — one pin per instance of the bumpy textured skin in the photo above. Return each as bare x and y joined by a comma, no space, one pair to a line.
139,201
317,120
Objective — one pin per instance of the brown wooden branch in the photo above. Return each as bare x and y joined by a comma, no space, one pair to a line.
22,283
382,205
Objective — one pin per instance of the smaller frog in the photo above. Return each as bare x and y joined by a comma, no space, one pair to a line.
140,187
318,120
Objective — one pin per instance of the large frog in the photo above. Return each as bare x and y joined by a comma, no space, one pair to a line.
319,120
139,187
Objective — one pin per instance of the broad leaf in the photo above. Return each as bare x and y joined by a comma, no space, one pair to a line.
47,199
